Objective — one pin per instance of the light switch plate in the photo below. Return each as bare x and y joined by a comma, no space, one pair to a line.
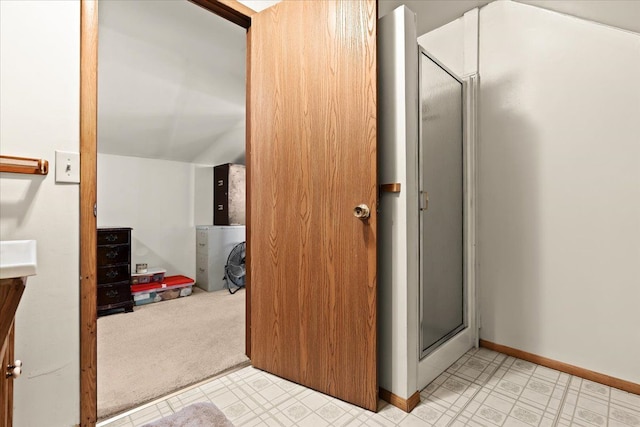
67,167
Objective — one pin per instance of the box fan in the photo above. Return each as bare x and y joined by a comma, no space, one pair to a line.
235,270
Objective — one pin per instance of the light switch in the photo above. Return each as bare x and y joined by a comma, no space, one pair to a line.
67,167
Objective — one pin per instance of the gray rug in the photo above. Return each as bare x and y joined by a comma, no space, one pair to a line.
196,415
165,346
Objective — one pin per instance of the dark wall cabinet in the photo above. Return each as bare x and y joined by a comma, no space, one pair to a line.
114,269
229,194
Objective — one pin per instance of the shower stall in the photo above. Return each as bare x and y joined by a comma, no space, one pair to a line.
427,230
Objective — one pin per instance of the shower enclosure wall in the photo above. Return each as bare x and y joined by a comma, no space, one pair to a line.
427,231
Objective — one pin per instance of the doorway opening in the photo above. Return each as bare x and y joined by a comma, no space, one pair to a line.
312,158
171,106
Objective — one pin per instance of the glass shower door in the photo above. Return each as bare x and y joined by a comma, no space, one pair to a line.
441,206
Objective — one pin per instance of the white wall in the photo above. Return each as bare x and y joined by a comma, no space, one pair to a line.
156,199
455,45
559,188
171,81
203,195
39,113
446,44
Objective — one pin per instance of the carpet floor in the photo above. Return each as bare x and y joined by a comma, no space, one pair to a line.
165,346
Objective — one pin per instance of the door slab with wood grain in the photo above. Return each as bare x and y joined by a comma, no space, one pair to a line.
312,160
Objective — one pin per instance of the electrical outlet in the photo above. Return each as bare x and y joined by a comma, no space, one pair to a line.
67,167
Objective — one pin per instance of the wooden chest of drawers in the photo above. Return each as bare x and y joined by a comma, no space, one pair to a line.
114,269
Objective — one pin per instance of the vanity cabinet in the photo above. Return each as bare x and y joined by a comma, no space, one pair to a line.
10,293
6,383
114,269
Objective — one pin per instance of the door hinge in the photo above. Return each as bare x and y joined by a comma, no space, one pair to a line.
95,210
424,200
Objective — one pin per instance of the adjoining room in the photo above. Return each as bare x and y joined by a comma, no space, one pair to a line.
171,111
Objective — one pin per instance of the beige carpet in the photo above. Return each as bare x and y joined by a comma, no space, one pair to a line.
165,346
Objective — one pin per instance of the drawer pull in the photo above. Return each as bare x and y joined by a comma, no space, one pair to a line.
201,244
201,270
112,254
111,274
14,370
111,294
220,207
111,237
220,183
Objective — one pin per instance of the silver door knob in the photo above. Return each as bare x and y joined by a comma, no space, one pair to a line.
361,211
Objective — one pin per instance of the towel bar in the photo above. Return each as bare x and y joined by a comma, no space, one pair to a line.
24,165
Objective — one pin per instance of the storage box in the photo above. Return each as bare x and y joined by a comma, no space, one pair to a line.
144,297
172,287
153,275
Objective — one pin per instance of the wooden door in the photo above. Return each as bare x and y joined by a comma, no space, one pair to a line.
312,160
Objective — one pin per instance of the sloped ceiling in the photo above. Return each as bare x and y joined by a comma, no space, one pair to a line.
171,82
623,14
171,78
432,14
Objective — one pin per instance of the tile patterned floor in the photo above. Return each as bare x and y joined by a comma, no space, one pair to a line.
483,388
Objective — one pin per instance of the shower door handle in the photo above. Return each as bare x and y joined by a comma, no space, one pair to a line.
424,200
